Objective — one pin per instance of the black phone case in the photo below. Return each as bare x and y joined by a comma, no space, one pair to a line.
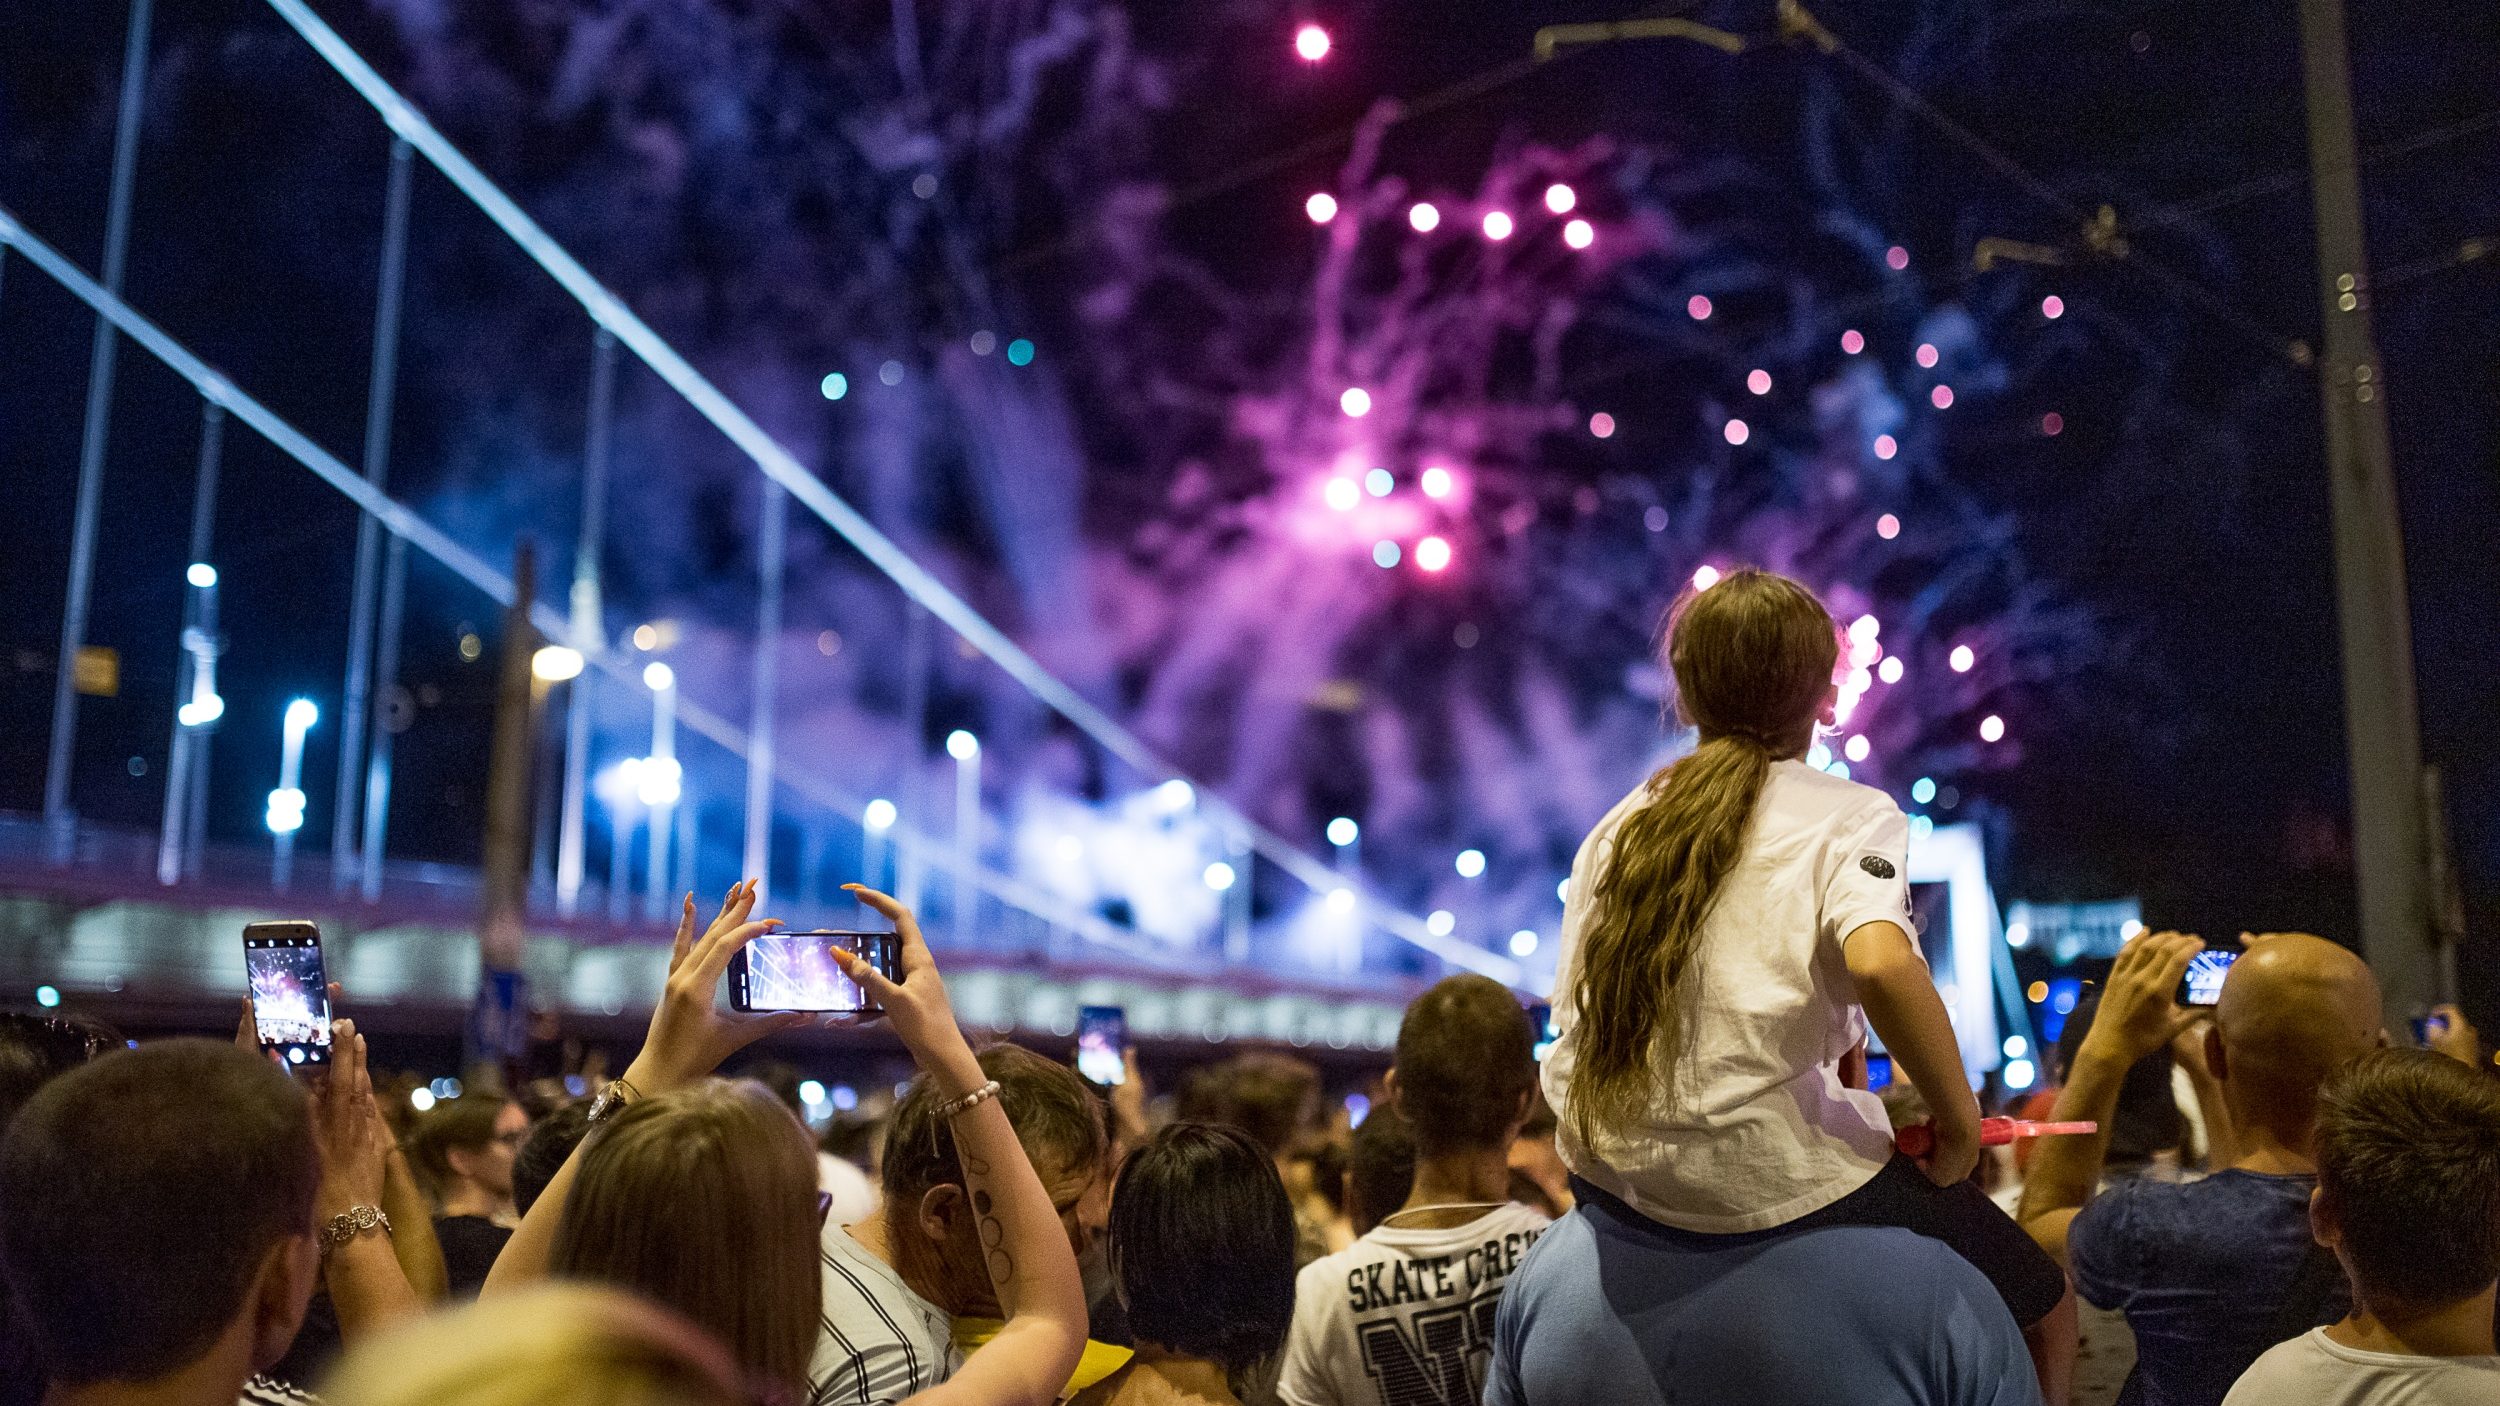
881,949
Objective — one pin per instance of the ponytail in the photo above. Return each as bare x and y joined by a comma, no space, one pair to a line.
1752,658
1638,955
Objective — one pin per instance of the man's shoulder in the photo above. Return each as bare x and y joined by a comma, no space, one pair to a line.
2279,1374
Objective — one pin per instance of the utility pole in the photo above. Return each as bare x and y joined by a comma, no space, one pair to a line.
2393,820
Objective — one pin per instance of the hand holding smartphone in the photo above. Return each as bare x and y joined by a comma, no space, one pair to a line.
795,971
290,992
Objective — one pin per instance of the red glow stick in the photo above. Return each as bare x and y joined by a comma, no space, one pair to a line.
1919,1139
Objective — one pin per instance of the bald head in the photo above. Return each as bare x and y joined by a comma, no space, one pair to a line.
2294,1009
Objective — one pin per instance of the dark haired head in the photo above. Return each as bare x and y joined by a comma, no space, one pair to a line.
1202,1243
2408,1148
1466,1060
1055,1117
2147,1120
551,1140
36,1049
1267,1095
140,1200
463,1124
1380,1169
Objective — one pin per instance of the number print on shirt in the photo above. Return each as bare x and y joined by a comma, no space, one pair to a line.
1443,1364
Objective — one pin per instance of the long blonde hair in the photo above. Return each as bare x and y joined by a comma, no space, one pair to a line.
552,1345
1752,658
703,1200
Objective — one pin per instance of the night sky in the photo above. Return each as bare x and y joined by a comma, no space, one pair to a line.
2196,759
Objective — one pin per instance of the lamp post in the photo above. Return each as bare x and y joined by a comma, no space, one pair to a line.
286,804
659,786
966,750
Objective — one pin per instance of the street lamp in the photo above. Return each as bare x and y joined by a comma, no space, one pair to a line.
966,750
286,804
658,786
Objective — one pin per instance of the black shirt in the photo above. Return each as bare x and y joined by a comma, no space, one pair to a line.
470,1244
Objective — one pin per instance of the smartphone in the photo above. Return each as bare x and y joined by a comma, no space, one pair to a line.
1101,1036
1541,1022
2427,1028
2202,986
290,991
1878,1073
795,971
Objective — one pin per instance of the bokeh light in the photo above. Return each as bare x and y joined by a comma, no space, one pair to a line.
1856,748
1433,554
1927,354
1896,258
1941,397
1342,494
1356,402
1889,670
1961,659
1923,790
1437,482
1441,922
1888,526
1991,728
962,745
1343,831
1497,224
1470,863
1380,483
1697,307
1758,381
1321,207
1386,554
1559,198
2052,307
1424,216
1738,432
1311,42
1853,341
834,386
1020,352
2052,424
1523,942
1885,447
1705,577
1579,234
1602,425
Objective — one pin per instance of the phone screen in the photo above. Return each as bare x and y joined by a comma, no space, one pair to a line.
2426,1027
290,991
795,971
1101,1037
2202,986
1878,1073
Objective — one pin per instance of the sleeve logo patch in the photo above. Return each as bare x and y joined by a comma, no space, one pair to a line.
1876,865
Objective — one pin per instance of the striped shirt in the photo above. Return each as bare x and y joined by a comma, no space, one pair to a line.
881,1342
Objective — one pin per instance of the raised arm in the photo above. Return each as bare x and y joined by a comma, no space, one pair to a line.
2137,1016
359,1267
1902,1004
1030,1264
689,1038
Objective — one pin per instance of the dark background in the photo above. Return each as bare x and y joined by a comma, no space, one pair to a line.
257,224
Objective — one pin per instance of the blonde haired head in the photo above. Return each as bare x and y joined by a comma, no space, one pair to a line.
554,1345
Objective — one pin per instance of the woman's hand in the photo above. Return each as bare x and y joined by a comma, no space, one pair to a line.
916,1005
355,1144
690,1034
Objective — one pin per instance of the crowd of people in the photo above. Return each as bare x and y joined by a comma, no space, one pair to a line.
1689,1195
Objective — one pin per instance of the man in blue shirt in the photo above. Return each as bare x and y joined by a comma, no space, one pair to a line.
1612,1306
2211,1273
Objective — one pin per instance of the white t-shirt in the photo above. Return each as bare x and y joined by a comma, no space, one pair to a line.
2315,1370
1761,1130
881,1342
1403,1317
